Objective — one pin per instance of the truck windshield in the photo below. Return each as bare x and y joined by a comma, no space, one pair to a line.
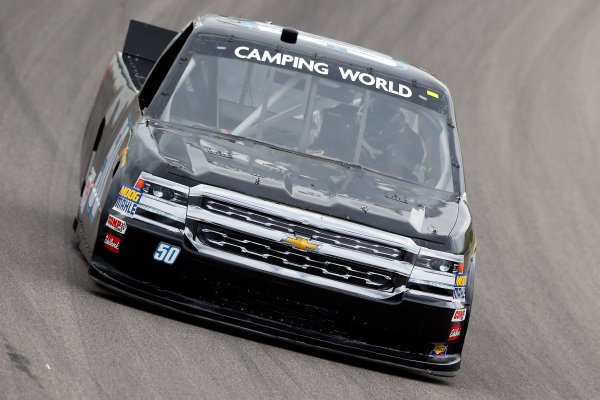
313,106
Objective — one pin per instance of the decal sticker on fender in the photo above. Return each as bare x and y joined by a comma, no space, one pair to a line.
460,289
88,186
461,280
439,350
459,315
128,200
116,224
166,253
459,293
112,243
454,332
123,156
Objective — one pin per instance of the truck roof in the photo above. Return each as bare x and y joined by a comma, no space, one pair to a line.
320,46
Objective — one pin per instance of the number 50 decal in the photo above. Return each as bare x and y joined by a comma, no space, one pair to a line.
166,253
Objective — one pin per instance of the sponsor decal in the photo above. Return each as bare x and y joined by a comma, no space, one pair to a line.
92,198
454,332
459,293
365,78
117,224
460,289
282,59
439,350
128,200
88,186
123,156
433,94
459,315
112,243
166,253
461,280
380,83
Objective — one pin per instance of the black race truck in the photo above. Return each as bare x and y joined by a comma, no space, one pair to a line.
283,183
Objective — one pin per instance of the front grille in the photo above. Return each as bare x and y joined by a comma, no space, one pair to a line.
282,255
298,244
280,224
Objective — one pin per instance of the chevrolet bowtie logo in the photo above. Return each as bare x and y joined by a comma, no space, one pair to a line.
301,243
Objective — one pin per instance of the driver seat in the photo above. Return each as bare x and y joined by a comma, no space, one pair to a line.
339,132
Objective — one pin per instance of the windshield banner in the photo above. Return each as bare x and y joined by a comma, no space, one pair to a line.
322,68
330,69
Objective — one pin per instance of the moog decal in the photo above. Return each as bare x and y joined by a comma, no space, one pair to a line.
128,200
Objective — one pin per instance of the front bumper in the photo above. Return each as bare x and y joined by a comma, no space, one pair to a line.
401,330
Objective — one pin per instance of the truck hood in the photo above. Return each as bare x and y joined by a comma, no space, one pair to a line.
311,183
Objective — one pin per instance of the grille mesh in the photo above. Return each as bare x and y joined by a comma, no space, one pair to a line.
288,257
289,227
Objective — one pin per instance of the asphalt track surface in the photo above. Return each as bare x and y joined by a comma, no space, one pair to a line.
524,76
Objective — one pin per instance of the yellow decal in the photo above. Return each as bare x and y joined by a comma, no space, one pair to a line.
130,194
461,280
123,156
439,350
433,94
301,243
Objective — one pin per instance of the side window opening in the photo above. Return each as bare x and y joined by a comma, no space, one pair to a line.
162,67
99,135
116,168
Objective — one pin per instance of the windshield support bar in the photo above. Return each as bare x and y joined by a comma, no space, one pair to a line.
246,85
255,115
363,124
308,112
290,112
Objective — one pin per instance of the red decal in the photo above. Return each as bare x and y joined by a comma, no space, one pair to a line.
117,224
459,315
114,222
455,332
112,243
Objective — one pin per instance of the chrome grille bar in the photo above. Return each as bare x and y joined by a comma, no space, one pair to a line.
292,228
219,255
330,269
304,217
199,214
